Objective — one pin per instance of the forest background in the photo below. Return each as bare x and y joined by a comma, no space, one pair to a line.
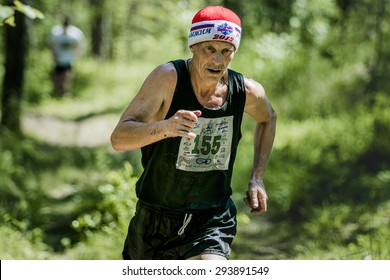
65,194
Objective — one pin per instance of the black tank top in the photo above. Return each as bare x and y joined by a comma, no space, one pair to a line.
193,175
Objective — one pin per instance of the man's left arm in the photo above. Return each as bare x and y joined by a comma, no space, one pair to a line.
260,109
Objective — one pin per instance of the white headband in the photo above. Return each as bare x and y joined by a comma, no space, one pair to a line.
215,30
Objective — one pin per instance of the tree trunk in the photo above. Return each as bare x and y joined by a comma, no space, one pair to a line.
100,31
15,53
377,74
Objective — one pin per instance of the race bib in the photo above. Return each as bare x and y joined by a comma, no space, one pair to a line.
210,149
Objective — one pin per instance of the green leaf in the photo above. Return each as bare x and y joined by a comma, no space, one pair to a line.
10,21
28,10
38,13
5,12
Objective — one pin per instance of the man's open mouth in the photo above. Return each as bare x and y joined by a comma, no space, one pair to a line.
214,71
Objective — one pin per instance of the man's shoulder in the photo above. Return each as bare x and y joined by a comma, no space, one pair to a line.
166,69
253,87
164,75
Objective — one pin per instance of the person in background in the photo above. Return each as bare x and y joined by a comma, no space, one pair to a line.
186,118
66,42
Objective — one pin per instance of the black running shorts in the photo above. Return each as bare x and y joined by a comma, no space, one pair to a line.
62,68
156,233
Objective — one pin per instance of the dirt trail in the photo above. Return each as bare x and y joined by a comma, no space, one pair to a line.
91,132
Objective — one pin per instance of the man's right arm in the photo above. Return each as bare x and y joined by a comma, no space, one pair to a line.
143,122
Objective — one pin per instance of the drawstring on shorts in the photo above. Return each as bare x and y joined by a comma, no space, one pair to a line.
186,221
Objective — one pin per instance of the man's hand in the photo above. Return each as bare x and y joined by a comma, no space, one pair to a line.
182,123
256,197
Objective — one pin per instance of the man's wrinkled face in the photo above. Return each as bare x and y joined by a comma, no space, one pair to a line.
212,58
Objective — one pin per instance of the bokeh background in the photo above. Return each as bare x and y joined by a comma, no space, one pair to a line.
65,194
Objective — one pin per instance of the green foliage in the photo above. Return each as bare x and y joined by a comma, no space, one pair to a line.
7,13
38,79
18,242
43,189
342,232
106,244
115,208
28,10
328,160
107,224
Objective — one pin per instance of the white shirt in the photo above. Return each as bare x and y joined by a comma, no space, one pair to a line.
66,44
